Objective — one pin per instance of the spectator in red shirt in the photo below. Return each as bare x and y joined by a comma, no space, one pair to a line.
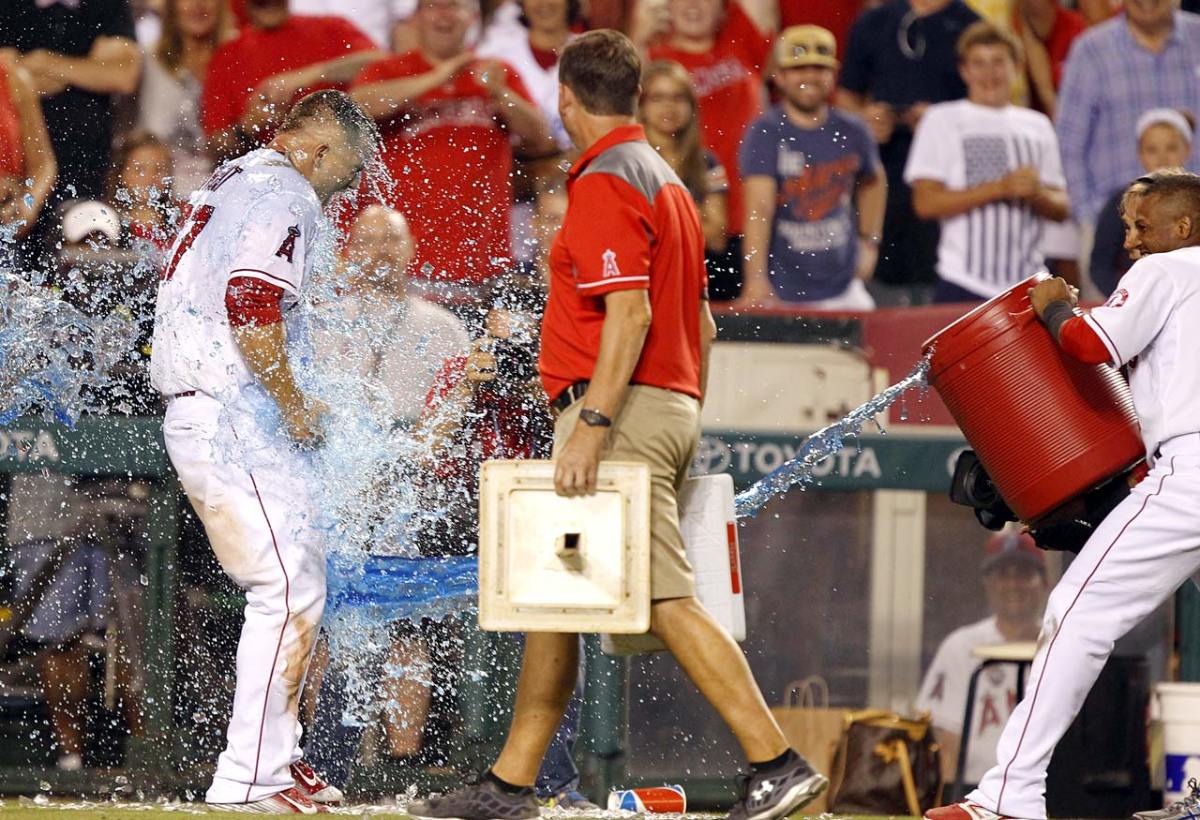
277,58
725,47
1046,30
25,151
447,120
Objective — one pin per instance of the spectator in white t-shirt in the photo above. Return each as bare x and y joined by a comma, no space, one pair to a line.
1016,586
990,171
396,341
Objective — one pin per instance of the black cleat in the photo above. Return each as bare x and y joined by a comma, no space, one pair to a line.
1186,809
776,794
479,801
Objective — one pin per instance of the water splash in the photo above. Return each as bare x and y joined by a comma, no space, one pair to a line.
54,356
826,442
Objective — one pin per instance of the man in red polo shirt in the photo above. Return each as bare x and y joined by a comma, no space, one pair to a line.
447,120
275,59
625,343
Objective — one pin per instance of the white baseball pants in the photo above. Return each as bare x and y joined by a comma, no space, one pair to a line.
249,491
1142,552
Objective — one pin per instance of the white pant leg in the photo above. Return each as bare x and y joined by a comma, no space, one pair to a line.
259,521
1139,555
854,297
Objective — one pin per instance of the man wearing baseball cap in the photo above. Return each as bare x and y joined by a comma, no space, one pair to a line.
1016,586
814,188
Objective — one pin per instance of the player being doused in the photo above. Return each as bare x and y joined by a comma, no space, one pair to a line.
238,428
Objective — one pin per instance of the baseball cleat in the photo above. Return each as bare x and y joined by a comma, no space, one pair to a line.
1186,809
966,810
288,801
480,801
311,784
776,794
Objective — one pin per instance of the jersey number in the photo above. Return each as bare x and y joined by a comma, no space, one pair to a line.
191,230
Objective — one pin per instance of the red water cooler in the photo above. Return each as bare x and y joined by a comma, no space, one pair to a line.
1046,427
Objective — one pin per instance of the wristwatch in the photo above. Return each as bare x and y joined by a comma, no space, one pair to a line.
594,418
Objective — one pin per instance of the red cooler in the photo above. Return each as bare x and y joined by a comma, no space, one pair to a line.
1046,427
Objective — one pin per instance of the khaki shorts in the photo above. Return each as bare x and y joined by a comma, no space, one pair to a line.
659,428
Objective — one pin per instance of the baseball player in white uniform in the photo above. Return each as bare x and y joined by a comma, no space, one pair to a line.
237,426
1149,544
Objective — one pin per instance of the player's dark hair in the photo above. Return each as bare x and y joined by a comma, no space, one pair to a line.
603,70
1179,190
336,106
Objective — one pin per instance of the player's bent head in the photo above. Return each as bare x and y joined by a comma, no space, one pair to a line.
603,71
335,108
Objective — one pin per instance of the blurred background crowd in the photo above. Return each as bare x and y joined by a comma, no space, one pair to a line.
844,155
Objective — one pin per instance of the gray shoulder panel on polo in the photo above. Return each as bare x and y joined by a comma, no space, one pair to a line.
638,164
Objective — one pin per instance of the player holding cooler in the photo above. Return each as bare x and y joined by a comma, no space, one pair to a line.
1149,544
236,424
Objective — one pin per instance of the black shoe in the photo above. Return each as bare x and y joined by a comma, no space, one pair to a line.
1185,809
479,801
776,794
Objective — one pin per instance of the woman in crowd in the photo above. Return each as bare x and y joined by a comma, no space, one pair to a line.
139,187
1164,141
668,113
170,96
529,35
25,152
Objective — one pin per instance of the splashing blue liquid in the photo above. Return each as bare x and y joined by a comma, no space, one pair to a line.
825,442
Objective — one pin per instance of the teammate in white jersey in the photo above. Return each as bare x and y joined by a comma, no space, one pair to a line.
239,261
1150,543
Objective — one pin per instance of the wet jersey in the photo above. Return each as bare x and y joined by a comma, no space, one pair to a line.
257,217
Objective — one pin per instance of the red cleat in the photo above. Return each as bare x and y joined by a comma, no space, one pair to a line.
313,786
288,801
965,810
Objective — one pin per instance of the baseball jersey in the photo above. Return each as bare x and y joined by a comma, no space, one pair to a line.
256,217
1152,323
962,144
944,693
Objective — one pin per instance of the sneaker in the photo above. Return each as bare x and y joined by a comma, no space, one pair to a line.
966,810
313,785
772,795
480,801
288,801
1186,809
570,799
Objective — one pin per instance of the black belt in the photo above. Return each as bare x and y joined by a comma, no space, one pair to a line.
569,396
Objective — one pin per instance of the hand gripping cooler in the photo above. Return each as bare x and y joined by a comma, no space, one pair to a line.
1046,427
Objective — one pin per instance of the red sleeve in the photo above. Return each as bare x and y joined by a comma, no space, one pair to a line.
223,97
448,378
351,35
1079,341
741,37
610,242
250,301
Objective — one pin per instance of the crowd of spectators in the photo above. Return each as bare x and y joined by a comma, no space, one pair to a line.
141,98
